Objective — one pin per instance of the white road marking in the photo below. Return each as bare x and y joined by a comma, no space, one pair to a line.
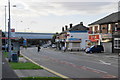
103,62
96,69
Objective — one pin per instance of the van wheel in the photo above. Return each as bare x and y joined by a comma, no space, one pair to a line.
71,50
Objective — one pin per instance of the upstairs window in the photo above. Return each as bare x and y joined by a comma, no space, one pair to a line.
104,28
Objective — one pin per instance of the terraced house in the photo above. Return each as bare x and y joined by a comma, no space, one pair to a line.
106,32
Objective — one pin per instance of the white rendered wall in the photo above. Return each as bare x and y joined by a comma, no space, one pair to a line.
81,35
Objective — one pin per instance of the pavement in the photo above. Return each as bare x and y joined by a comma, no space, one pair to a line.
34,73
7,72
0,65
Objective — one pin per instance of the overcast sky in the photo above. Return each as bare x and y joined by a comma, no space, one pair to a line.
50,16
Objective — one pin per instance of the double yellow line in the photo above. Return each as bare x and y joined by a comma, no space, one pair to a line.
49,70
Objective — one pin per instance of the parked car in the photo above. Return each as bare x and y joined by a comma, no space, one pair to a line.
54,46
3,47
95,49
6,47
45,46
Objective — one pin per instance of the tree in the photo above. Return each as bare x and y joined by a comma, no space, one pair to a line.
54,37
21,40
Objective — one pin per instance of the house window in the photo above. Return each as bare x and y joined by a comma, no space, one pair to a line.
117,43
104,27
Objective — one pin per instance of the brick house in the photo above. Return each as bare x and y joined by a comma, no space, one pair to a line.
105,28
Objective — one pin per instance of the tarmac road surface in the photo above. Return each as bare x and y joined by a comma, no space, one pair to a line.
74,66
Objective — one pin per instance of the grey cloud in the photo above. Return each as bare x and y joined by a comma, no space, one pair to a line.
70,7
84,6
63,8
20,6
40,5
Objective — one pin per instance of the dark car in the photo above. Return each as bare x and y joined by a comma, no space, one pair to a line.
6,47
95,49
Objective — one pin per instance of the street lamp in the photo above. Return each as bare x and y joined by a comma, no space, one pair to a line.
5,27
9,33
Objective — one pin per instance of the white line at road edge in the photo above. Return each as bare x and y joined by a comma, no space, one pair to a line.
49,70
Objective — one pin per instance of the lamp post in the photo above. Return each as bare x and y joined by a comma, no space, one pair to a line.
9,33
5,27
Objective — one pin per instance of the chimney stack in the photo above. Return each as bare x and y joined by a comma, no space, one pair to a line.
66,27
81,23
62,28
71,25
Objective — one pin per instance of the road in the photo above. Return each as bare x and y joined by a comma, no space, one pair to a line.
73,66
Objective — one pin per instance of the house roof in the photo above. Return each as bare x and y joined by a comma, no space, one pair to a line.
112,18
78,27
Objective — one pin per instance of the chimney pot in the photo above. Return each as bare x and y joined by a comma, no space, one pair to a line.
62,28
81,23
66,27
71,25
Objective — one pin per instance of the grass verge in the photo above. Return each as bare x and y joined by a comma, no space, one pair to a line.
42,78
26,65
5,54
20,55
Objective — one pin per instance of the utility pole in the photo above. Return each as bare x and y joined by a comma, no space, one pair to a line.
9,33
5,27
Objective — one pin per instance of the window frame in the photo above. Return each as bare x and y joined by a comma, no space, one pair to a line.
116,43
